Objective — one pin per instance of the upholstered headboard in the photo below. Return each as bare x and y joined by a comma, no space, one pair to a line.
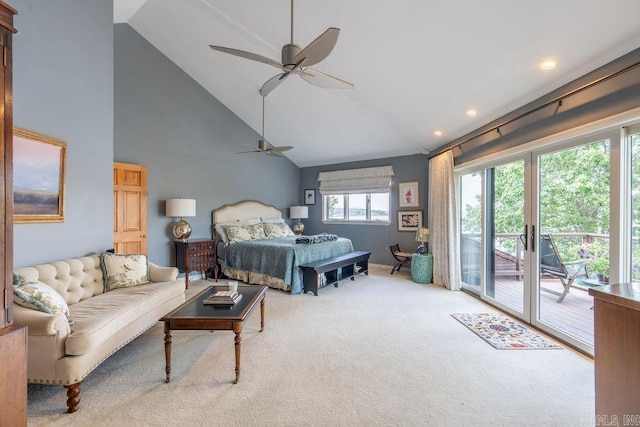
243,210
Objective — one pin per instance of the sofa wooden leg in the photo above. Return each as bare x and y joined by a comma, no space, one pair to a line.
73,396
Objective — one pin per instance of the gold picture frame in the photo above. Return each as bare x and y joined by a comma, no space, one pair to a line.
409,194
38,177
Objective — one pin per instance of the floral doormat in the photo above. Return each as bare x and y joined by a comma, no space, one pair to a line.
503,333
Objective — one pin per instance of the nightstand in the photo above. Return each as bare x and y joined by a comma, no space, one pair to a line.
196,255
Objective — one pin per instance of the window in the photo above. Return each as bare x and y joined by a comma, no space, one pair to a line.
356,195
357,207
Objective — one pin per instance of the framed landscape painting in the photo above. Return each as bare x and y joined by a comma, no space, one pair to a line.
38,177
409,194
409,220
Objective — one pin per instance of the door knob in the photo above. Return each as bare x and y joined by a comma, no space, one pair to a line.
144,236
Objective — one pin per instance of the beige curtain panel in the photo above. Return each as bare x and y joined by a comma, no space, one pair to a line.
443,222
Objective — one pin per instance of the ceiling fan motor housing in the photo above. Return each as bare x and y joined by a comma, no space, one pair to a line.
289,53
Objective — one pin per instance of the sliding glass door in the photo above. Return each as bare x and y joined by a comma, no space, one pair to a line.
535,233
573,230
633,141
504,224
492,234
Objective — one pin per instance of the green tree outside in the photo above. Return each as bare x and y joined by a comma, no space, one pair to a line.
574,198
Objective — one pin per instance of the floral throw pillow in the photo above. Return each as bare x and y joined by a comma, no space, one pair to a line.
277,230
239,233
39,296
124,270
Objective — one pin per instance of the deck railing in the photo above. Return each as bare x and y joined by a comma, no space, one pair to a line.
509,255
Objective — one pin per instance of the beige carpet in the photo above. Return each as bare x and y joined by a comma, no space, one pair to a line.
379,351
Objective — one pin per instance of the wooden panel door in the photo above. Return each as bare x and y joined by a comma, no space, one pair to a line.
130,208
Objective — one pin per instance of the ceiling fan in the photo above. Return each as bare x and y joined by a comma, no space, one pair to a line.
265,146
296,60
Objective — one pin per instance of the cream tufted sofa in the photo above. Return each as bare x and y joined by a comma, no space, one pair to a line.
103,321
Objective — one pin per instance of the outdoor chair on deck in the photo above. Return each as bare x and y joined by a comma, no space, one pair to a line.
551,263
402,258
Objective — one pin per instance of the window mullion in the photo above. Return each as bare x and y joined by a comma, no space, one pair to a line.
345,214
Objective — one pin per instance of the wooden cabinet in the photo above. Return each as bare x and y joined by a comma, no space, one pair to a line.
13,339
617,353
6,165
13,376
196,255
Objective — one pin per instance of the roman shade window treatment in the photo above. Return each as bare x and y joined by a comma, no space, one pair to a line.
351,181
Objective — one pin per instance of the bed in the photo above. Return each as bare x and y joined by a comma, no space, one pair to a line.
272,258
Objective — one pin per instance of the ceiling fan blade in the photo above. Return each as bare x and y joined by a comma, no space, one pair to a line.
272,83
320,48
248,55
281,148
246,145
323,80
250,151
273,153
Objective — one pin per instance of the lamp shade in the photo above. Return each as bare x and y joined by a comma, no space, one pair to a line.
422,235
297,212
180,207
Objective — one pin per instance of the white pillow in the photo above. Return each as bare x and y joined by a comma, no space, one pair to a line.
273,220
124,270
39,296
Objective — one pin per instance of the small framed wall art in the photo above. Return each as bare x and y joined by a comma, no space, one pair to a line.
409,220
310,197
409,194
38,177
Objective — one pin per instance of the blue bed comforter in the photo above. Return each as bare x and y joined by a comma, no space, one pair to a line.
281,257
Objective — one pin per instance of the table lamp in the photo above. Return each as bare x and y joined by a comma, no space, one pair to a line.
181,208
297,212
422,236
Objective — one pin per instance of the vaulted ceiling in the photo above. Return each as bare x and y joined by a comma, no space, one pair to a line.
418,66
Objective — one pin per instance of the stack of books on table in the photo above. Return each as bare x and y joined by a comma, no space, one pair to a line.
223,298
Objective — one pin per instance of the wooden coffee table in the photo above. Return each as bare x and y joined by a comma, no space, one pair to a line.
195,315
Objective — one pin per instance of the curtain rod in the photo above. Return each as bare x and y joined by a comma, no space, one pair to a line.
557,99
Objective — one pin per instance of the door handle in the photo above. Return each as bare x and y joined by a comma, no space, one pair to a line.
144,236
533,238
523,237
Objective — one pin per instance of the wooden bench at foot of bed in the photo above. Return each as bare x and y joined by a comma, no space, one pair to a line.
312,272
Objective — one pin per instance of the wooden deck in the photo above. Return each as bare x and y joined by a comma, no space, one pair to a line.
573,316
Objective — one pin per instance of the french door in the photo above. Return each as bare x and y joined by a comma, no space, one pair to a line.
535,233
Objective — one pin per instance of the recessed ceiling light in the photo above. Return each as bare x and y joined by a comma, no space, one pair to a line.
471,113
437,133
548,65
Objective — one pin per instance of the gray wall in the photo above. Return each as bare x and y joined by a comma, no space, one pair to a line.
63,87
374,238
617,92
188,140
